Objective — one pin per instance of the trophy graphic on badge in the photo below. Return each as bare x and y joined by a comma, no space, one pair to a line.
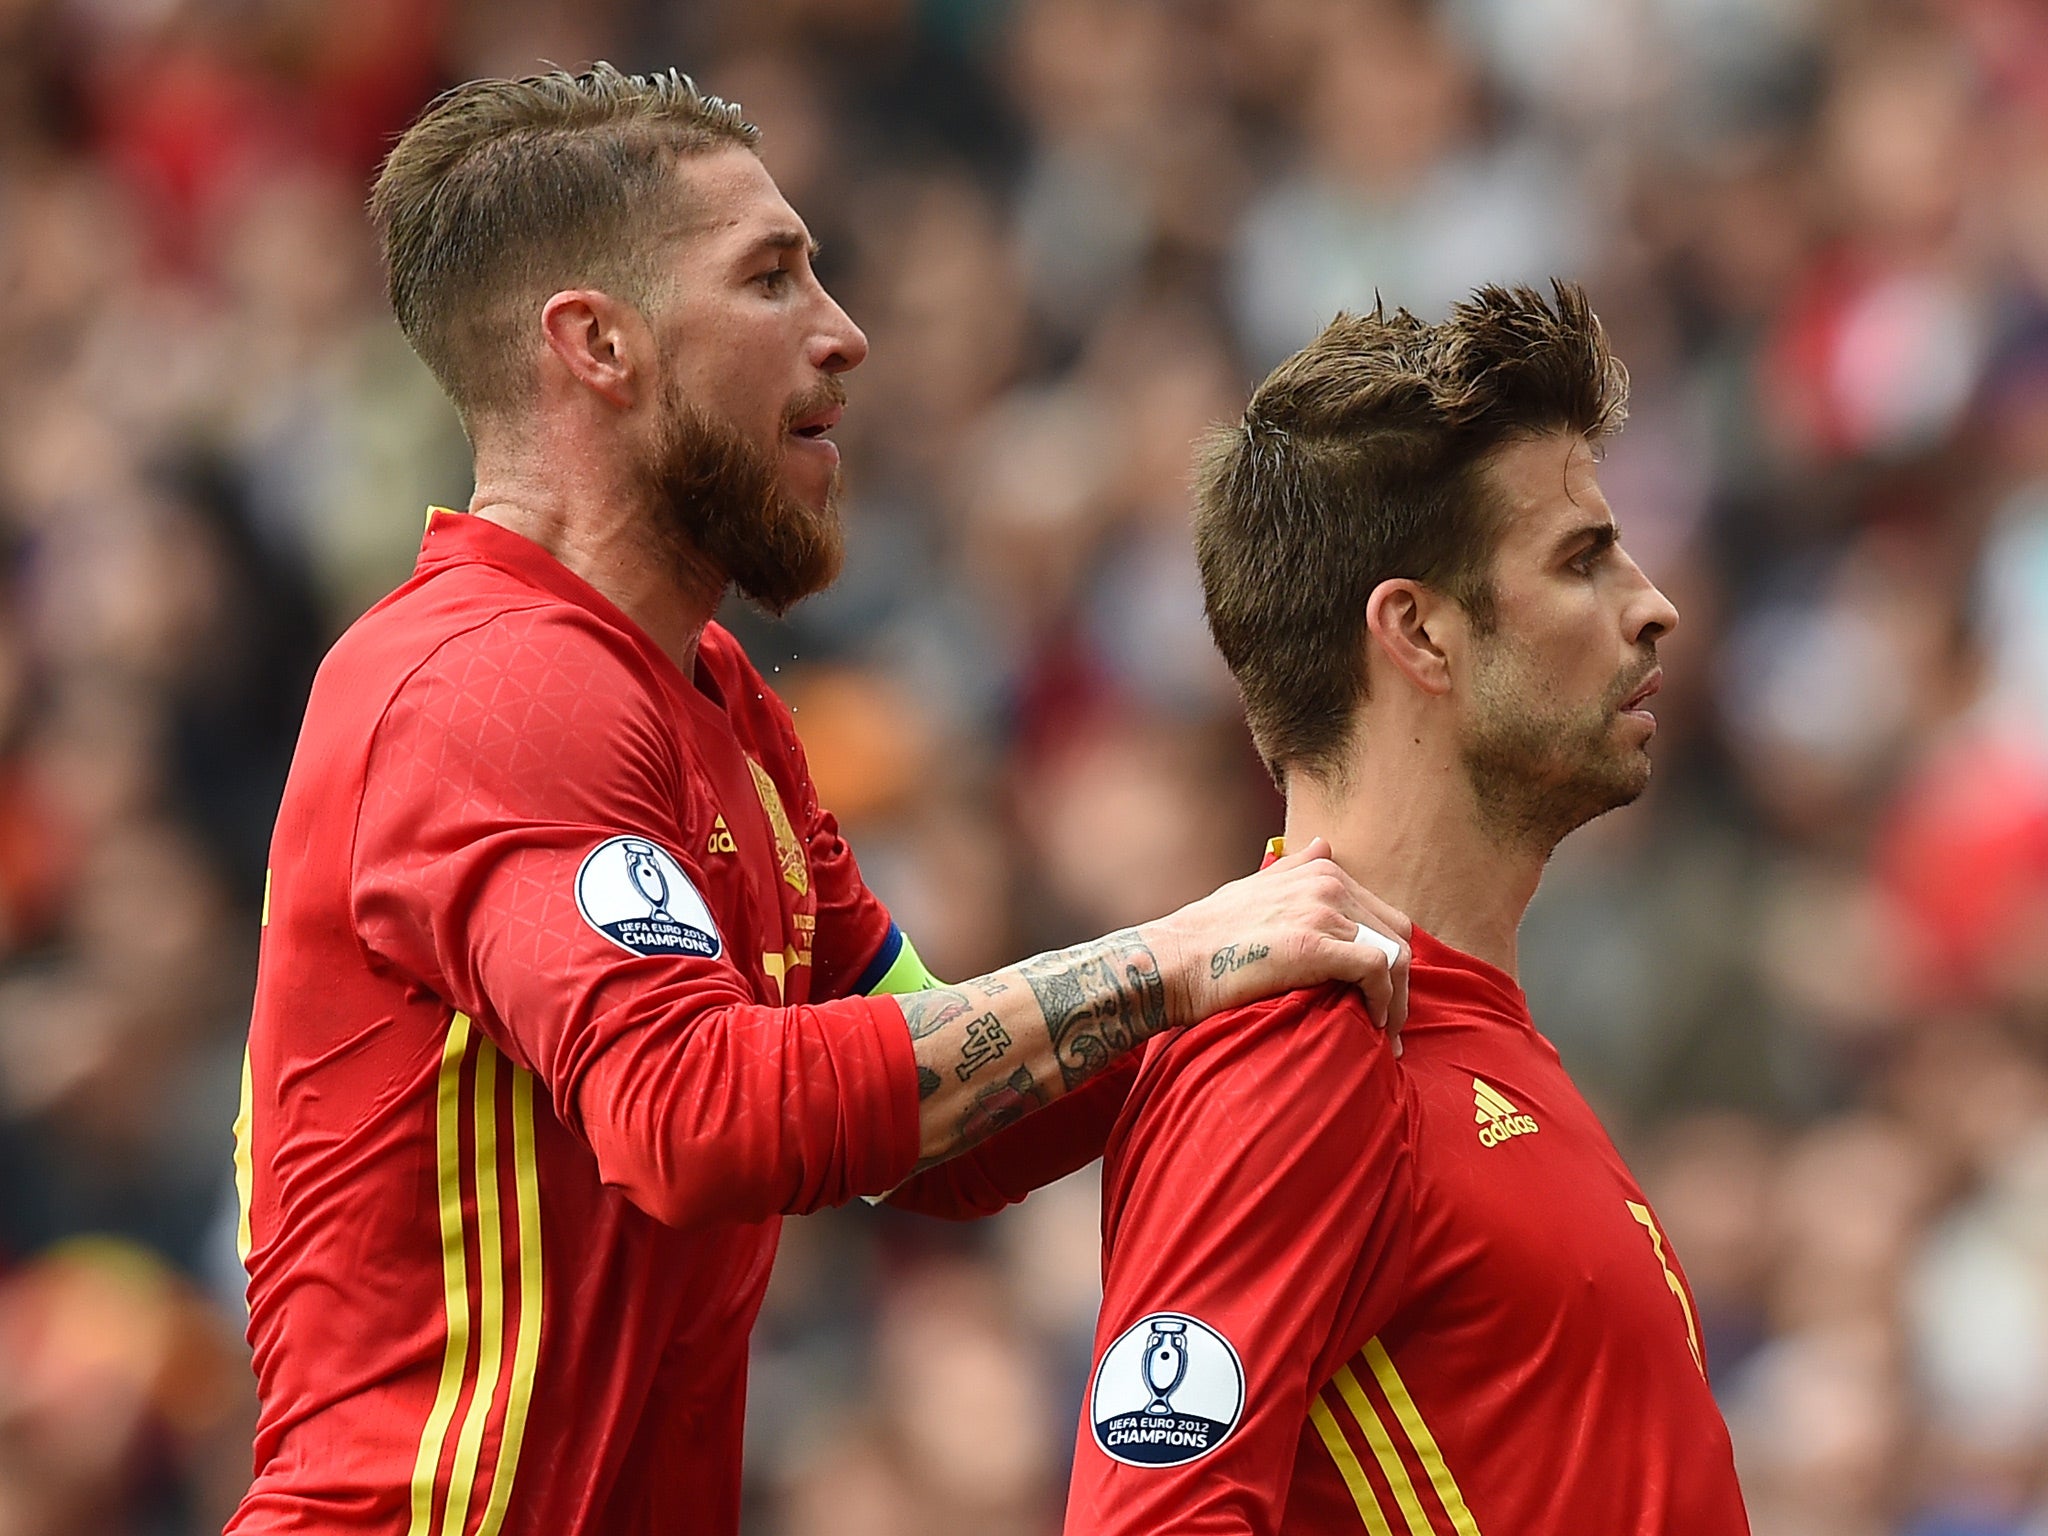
1166,1361
644,870
1168,1391
634,892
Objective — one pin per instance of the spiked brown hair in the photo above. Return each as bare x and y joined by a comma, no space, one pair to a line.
506,191
1362,458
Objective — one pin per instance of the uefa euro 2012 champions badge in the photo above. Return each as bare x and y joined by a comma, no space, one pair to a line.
634,892
1168,1391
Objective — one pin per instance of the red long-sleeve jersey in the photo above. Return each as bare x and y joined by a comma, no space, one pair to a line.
1346,1293
535,1065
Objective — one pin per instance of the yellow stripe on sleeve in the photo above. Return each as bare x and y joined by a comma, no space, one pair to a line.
245,1167
1384,1452
1425,1444
245,1164
454,1282
526,1348
490,1294
1348,1468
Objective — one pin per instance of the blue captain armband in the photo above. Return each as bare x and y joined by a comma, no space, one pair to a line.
895,970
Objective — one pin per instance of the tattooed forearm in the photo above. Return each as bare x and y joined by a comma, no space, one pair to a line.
1099,1000
1001,1104
981,1061
929,1012
1235,957
986,1042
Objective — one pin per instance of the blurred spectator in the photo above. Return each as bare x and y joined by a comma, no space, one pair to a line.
121,1390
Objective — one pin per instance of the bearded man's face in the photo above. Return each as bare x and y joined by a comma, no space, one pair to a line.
720,498
744,473
1554,722
1542,764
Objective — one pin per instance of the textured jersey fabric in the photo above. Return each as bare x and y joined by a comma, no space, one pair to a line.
543,1043
1448,1307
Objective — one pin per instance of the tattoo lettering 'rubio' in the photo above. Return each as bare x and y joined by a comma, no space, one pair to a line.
1234,957
1099,1000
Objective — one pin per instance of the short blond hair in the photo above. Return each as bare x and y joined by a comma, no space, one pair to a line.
506,191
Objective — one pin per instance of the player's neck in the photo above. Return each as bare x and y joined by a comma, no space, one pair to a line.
1410,830
582,510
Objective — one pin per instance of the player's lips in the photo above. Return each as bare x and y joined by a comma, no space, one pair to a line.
1635,702
818,422
809,431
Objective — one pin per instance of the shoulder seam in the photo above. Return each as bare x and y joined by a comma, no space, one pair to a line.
376,729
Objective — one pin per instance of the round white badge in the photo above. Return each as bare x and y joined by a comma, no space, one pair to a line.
1168,1391
634,892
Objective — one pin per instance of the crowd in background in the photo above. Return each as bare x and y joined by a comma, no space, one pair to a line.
1805,981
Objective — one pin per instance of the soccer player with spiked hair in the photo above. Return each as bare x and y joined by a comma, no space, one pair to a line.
1346,1292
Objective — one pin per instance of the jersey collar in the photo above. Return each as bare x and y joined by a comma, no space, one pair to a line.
1465,974
458,538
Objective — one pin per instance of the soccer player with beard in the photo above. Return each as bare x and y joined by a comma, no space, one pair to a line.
1346,1292
569,988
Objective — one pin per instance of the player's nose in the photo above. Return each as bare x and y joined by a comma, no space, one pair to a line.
1650,614
840,345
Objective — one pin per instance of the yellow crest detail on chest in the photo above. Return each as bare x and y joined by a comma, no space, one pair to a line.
789,853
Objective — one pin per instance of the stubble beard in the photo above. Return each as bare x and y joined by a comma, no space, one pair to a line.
1540,769
720,507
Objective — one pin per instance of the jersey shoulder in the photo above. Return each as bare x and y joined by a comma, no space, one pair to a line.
523,662
529,643
477,626
502,695
1323,1028
1262,1070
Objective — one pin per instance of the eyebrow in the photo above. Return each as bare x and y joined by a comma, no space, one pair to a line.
1597,536
787,240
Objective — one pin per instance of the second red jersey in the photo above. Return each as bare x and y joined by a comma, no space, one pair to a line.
1349,1293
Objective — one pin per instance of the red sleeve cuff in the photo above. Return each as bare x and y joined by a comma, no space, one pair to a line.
882,1148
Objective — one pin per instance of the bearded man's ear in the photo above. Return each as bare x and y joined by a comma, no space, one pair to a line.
595,340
